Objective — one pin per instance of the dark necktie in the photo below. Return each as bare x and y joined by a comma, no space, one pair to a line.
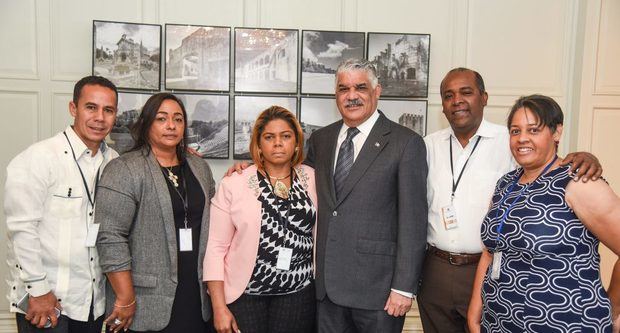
345,160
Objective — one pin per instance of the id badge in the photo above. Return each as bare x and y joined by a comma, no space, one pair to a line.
497,263
285,255
91,235
449,217
185,239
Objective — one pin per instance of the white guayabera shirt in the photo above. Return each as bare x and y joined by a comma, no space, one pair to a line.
47,215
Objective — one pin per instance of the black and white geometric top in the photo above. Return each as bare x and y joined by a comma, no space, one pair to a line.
275,233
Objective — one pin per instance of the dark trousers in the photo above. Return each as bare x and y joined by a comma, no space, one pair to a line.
294,312
65,325
340,319
444,295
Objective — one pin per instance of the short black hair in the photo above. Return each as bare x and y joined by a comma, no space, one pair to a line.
479,80
92,80
140,129
545,108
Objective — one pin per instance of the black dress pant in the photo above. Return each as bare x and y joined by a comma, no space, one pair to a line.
294,312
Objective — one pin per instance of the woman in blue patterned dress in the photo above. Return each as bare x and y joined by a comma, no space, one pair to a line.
540,270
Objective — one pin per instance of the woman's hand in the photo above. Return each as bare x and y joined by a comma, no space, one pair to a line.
121,316
224,321
474,315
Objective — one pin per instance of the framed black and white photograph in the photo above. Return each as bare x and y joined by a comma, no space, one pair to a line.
322,52
129,108
207,124
266,60
402,62
411,114
315,113
247,109
197,58
128,54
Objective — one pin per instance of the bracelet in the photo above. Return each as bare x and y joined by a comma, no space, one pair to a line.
125,306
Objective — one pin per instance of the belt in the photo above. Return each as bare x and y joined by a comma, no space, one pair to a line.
457,259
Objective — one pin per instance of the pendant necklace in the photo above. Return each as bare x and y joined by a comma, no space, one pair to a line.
174,179
279,188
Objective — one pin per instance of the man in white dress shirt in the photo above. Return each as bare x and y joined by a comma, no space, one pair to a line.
49,202
465,161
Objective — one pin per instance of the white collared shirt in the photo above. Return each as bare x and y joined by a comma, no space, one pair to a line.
47,215
491,160
359,139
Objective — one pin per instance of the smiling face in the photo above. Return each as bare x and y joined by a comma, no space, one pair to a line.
463,102
167,129
355,97
532,145
277,143
94,115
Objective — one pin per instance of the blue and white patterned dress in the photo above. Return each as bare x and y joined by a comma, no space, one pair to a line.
550,278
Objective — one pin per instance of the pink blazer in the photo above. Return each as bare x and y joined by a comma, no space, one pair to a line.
234,229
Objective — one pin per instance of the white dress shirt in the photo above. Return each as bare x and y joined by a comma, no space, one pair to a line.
491,160
47,215
358,143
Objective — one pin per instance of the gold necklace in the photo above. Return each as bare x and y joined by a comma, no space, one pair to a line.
174,179
279,188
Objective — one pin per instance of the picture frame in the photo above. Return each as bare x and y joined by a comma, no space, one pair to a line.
129,108
402,63
247,108
128,54
197,58
322,52
315,113
208,120
409,113
266,60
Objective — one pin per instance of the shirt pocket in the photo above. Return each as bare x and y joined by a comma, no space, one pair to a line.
66,202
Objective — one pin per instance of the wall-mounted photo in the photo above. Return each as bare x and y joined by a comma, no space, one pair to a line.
266,60
129,108
402,62
322,52
411,114
197,58
207,129
247,108
128,54
316,112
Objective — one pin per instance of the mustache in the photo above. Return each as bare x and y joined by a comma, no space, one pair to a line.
354,102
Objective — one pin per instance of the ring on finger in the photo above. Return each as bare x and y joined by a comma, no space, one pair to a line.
117,321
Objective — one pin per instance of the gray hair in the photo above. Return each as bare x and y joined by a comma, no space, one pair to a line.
353,64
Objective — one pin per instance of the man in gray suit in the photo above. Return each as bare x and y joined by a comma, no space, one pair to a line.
371,232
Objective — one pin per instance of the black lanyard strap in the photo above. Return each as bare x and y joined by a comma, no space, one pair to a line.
91,200
455,185
184,198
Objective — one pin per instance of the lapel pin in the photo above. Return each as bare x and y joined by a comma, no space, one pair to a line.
377,144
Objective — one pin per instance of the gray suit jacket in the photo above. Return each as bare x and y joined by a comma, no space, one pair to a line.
373,237
137,233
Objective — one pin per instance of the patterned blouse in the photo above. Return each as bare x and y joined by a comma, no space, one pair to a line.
299,214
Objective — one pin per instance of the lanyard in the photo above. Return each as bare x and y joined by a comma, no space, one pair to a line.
458,180
184,199
91,200
521,193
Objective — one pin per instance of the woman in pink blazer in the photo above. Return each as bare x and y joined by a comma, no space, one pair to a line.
259,257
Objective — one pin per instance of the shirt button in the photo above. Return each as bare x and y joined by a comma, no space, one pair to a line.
59,300
28,287
335,213
90,214
91,258
93,280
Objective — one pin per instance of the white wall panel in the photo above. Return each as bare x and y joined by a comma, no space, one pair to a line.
201,12
71,32
316,14
607,79
520,44
60,111
18,37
